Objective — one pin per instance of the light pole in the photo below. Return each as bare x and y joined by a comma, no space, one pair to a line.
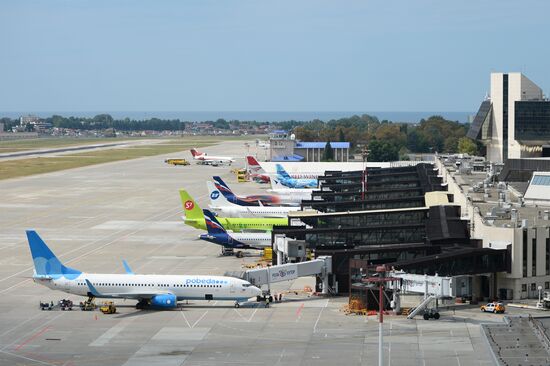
381,279
364,154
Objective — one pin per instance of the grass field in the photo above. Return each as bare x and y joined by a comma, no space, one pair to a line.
50,143
25,167
57,142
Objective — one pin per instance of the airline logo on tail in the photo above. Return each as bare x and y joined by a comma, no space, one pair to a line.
282,172
196,153
189,205
253,164
211,223
46,264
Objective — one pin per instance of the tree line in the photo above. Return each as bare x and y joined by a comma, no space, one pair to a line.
388,141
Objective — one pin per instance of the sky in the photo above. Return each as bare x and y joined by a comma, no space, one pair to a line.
240,55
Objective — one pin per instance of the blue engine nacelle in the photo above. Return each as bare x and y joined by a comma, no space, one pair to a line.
164,301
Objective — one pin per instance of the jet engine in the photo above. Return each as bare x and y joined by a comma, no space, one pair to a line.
164,301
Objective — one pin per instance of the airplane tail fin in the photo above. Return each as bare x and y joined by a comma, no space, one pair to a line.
217,199
254,166
212,224
190,207
195,152
282,172
46,264
224,188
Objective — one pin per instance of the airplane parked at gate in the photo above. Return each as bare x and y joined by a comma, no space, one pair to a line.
255,171
219,202
252,200
258,174
293,193
256,200
194,217
230,241
157,291
205,159
290,182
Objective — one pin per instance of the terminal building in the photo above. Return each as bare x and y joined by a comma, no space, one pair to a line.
285,147
404,219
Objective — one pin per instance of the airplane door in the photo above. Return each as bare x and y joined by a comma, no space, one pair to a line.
232,288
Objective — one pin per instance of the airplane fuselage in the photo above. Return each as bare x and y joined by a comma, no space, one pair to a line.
130,286
254,211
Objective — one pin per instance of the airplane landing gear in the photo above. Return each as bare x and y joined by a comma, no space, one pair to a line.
237,305
142,304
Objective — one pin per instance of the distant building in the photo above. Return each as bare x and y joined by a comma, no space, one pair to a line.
285,147
514,121
39,125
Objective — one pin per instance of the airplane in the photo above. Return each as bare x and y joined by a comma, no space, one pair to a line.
255,171
155,291
219,202
263,144
257,200
292,194
194,217
258,174
205,159
290,182
253,200
230,241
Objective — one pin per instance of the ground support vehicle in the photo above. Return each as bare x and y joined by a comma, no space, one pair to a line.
493,307
65,304
175,162
46,305
431,314
87,305
108,307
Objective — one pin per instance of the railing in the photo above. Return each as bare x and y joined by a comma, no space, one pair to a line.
540,333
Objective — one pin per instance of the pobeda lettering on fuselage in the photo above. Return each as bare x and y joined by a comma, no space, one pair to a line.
158,291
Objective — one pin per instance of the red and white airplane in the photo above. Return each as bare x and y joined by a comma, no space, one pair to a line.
205,159
255,170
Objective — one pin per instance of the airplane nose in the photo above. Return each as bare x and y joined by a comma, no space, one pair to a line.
255,291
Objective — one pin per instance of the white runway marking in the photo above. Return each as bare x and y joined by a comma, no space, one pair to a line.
199,319
185,318
110,333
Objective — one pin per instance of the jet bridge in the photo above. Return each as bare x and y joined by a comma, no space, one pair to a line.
321,266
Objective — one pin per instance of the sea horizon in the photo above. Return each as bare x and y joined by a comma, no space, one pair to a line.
260,116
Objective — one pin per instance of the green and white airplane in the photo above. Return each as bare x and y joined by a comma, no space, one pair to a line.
194,217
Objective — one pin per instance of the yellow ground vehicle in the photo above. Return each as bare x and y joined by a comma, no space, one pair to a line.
177,162
87,305
241,175
108,307
267,254
493,307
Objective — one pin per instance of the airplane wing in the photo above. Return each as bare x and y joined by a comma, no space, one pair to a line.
126,295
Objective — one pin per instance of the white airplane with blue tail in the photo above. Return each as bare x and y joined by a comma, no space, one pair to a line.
155,291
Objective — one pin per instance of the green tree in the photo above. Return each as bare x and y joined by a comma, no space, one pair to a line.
341,135
328,153
467,146
383,151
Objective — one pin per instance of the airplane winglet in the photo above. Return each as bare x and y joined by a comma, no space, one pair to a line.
92,289
127,267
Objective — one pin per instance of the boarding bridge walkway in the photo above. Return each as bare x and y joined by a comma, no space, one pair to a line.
321,266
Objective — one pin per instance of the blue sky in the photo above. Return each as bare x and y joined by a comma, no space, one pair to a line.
401,55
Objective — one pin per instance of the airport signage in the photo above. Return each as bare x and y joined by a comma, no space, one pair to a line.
288,272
